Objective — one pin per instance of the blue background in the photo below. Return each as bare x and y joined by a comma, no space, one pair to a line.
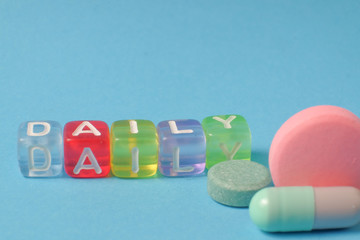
160,60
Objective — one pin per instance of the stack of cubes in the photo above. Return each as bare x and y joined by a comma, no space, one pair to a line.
132,148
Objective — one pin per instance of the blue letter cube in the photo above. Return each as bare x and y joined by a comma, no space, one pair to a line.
40,149
182,147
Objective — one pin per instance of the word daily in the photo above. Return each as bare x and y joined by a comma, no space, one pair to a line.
132,148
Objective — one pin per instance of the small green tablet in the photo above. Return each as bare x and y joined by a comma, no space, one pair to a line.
234,182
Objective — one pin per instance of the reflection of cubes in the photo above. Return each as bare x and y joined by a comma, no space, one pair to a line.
87,149
182,147
228,137
40,149
134,148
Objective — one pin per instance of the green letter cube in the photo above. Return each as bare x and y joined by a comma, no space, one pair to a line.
228,137
134,148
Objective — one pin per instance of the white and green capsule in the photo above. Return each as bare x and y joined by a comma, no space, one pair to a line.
285,209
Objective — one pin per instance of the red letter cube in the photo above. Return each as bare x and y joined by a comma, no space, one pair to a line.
87,149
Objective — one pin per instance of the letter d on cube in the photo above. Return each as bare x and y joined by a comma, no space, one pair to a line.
40,149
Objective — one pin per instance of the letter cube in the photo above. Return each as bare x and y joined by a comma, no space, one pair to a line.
40,149
182,147
228,137
87,149
134,148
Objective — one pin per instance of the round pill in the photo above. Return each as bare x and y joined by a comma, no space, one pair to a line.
234,182
319,146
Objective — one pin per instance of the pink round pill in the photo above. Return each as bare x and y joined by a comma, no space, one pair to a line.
319,146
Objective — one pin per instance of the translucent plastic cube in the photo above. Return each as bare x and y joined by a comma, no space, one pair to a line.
228,137
40,149
182,147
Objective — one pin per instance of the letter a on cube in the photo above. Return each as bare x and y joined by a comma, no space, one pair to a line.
87,149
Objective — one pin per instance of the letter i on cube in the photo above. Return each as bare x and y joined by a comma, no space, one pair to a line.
87,149
228,137
182,148
40,149
134,148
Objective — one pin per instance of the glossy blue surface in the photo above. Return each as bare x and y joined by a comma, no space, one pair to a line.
182,148
40,149
111,60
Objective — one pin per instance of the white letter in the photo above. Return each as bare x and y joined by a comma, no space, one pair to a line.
135,160
174,129
133,126
30,129
135,150
225,122
47,161
230,155
80,129
94,164
176,162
